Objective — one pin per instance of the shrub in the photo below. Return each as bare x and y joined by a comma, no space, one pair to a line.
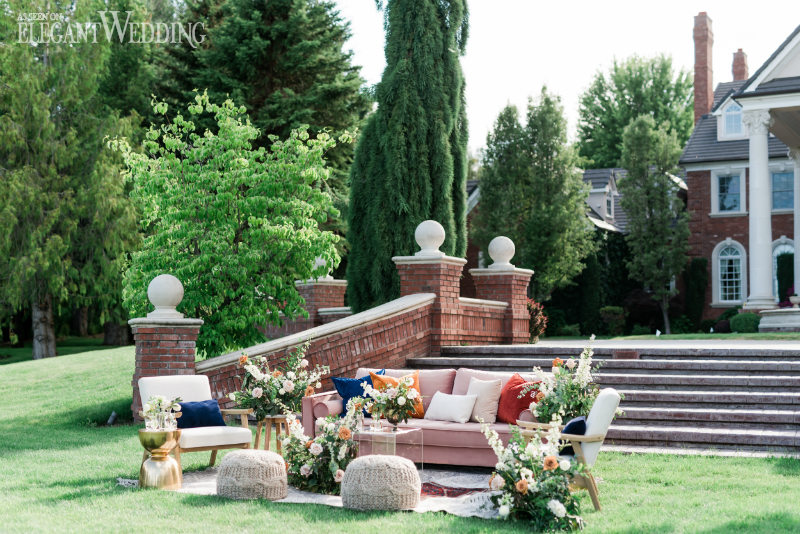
682,325
614,318
640,330
706,325
538,321
727,314
556,319
723,327
745,323
573,330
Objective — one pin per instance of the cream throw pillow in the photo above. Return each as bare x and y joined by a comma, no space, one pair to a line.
455,408
488,397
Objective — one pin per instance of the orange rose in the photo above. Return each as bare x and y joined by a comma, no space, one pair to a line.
522,486
309,391
539,396
344,433
243,359
558,362
308,443
550,463
276,373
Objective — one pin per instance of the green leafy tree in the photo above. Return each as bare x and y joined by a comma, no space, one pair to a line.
532,191
64,220
657,220
634,87
411,160
236,224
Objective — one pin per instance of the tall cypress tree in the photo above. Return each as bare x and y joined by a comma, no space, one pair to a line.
411,162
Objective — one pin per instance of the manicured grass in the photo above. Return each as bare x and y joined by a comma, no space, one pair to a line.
70,345
59,464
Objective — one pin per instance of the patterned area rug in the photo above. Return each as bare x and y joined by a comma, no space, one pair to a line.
432,489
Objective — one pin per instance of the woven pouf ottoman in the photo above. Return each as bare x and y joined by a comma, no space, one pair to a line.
252,474
378,482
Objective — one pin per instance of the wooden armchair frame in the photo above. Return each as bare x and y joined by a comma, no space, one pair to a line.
585,481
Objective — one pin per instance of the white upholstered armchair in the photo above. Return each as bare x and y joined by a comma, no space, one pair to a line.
195,388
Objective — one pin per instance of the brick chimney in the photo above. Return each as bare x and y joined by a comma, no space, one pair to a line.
703,72
740,71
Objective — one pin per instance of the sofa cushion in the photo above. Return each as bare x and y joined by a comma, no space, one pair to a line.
385,382
463,375
488,397
456,408
213,436
430,381
449,434
347,388
511,405
200,413
331,406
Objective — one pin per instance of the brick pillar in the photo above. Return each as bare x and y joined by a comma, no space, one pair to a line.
165,340
739,67
431,271
504,282
703,70
322,293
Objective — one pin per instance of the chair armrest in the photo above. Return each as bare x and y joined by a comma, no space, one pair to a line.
530,425
241,412
593,438
308,405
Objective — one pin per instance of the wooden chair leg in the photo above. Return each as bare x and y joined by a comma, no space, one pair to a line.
213,458
278,433
258,433
591,487
268,436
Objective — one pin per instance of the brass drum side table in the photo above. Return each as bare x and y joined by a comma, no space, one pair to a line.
160,470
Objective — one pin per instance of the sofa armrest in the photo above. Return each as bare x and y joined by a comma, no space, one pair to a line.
324,402
527,416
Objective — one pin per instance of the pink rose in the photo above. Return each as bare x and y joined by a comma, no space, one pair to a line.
305,470
257,392
288,385
338,476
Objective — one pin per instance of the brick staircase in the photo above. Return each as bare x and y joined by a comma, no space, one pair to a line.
682,400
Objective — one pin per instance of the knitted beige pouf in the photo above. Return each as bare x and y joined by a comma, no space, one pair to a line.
252,474
378,482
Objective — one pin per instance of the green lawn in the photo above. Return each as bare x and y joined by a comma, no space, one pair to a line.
58,466
70,345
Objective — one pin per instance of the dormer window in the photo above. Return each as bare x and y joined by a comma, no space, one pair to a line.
609,207
733,120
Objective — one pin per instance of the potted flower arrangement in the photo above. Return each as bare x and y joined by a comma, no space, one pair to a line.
160,413
530,482
394,403
279,390
318,464
566,393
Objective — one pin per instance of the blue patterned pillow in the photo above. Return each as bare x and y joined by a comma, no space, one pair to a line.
347,388
202,413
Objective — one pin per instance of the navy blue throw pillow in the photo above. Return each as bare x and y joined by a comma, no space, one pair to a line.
202,413
577,427
347,388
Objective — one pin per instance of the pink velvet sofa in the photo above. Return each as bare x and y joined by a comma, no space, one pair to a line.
444,442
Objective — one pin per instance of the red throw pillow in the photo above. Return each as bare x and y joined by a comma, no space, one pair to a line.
510,405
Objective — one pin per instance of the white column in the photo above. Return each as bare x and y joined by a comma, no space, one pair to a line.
760,213
794,155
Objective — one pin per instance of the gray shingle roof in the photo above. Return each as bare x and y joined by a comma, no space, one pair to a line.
620,217
776,86
774,55
724,89
599,178
472,185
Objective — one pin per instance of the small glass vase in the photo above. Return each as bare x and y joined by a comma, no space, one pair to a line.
376,425
360,422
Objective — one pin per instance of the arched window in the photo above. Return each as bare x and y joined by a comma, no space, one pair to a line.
733,119
729,273
780,246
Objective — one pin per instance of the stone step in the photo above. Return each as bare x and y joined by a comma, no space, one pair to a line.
679,382
656,435
710,417
655,366
729,353
709,399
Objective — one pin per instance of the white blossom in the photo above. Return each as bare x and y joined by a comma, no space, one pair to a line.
504,511
401,401
305,470
338,476
303,363
557,508
257,392
288,385
412,394
564,464
315,449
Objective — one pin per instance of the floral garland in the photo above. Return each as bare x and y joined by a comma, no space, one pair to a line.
531,483
318,464
280,390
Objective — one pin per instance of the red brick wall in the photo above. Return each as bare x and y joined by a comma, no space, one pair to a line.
511,288
706,231
384,343
316,295
162,350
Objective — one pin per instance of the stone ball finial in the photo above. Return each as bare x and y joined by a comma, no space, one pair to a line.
165,293
429,236
501,250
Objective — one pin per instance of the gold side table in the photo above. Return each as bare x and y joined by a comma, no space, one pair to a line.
278,422
160,470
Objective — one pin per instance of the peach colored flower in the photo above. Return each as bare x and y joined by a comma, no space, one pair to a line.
550,463
344,433
558,362
243,359
309,391
522,486
539,396
276,373
309,443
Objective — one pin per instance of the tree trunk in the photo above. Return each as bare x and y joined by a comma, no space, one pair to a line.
116,334
665,314
44,333
80,321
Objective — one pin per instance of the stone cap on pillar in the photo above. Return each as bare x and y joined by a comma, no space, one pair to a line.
501,250
429,235
165,292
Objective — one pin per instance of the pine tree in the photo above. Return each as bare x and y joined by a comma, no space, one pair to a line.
411,161
657,220
533,192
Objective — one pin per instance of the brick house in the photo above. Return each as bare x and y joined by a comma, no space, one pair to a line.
742,166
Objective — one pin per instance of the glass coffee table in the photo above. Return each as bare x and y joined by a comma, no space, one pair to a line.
405,442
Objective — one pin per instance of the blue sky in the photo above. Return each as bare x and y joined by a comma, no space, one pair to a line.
516,46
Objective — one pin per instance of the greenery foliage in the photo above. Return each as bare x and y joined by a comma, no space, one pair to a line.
657,220
745,323
533,192
632,88
411,160
614,318
568,392
640,330
537,325
695,281
237,225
